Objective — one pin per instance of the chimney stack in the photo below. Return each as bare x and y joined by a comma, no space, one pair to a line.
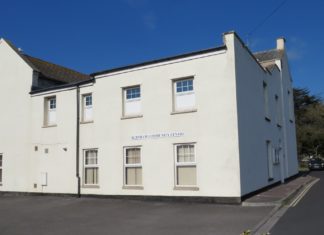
281,43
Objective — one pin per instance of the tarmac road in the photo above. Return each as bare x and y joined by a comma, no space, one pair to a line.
307,217
49,215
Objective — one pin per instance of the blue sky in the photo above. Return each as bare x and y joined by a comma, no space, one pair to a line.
90,36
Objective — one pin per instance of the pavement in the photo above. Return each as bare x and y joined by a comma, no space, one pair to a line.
281,193
49,215
282,198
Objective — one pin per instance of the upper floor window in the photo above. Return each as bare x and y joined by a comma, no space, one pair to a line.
132,101
87,108
266,100
291,106
184,95
0,168
50,111
278,110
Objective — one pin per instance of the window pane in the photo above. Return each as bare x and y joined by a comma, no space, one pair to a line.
0,160
186,175
133,156
52,103
134,176
0,175
184,85
88,100
91,157
186,153
91,175
132,93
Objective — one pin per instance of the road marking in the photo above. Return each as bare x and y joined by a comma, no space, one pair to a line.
302,194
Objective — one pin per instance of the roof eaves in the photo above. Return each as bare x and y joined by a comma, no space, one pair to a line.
59,87
159,60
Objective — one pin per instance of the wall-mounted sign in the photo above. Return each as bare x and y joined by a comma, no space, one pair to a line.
157,135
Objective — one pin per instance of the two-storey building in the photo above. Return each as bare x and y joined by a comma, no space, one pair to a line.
215,124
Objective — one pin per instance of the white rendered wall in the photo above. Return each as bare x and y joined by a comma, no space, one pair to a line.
213,127
15,83
254,130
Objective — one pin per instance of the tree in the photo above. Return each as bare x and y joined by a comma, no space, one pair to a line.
309,113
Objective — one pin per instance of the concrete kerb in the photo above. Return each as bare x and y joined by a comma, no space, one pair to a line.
281,205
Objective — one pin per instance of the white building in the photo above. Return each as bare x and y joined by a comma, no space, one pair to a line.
215,124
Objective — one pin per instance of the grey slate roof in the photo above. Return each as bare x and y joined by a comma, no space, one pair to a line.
56,72
51,71
273,54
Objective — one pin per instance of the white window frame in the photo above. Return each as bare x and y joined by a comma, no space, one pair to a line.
129,100
85,106
180,93
132,165
48,108
1,168
90,166
184,164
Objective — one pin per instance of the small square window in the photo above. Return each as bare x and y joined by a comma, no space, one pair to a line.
133,93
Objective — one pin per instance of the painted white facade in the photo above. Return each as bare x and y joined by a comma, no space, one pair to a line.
222,117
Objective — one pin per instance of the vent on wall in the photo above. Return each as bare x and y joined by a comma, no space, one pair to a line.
46,150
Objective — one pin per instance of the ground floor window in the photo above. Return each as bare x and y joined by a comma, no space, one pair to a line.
132,166
90,167
185,165
270,153
0,168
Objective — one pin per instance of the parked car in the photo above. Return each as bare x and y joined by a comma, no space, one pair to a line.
316,164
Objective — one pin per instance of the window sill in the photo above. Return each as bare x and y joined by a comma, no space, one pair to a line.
186,188
267,119
131,117
136,187
49,126
184,111
90,186
86,122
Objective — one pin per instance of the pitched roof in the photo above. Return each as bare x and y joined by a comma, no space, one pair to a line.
56,72
273,54
49,70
